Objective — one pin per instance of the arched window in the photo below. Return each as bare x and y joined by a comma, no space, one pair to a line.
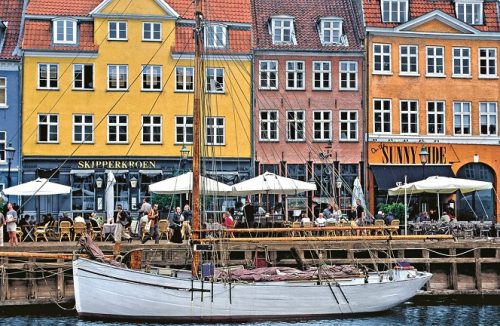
479,205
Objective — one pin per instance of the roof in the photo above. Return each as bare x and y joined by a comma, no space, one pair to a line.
373,14
235,11
306,14
61,7
10,14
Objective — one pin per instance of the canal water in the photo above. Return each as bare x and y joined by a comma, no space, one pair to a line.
444,311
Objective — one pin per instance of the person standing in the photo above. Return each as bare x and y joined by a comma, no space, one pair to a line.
122,220
153,218
2,223
12,224
145,207
360,213
187,213
249,212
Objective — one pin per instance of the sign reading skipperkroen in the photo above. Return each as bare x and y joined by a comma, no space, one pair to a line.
116,164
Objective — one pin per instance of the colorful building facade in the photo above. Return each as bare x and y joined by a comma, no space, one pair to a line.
433,84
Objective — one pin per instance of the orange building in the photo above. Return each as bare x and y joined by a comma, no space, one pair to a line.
432,71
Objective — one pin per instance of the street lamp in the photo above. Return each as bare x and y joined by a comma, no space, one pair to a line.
98,182
133,182
184,152
424,156
9,153
338,183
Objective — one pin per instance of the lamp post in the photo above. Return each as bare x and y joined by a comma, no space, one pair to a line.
184,154
9,153
338,183
424,155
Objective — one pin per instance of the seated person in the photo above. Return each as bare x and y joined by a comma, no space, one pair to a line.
79,219
304,219
228,220
320,221
93,220
389,218
65,217
445,218
261,211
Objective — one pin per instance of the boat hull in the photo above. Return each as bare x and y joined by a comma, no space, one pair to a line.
104,291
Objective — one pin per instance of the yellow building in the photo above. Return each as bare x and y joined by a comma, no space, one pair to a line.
108,87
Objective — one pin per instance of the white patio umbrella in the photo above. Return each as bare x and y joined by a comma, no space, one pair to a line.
357,193
270,183
38,187
110,196
184,183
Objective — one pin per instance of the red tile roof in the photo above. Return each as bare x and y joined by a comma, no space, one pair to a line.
373,14
61,7
10,14
306,13
236,11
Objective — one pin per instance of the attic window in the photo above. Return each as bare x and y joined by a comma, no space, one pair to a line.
64,31
394,11
470,11
330,30
215,36
282,30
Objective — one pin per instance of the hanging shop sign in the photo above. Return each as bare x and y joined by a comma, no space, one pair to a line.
116,164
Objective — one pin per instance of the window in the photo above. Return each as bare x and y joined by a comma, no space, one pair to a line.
394,11
48,75
83,193
117,31
151,31
322,75
184,130
64,31
435,61
3,92
151,78
48,128
3,146
269,125
268,74
184,79
295,122
488,62
488,118
215,80
117,77
470,12
408,56
461,118
215,131
331,31
409,117
83,128
282,31
382,116
83,76
381,58
322,125
348,74
151,129
118,129
461,62
215,36
348,125
295,75
435,118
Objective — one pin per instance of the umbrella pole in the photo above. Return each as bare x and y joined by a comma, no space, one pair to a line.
439,211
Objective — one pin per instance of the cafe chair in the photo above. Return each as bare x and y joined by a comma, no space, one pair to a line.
394,227
164,229
79,229
144,231
379,223
19,233
96,232
41,232
64,230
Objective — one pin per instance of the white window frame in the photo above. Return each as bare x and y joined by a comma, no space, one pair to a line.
348,123
219,39
382,111
148,127
322,75
462,61
488,61
67,25
216,129
489,110
467,9
3,89
408,56
460,114
182,72
411,111
330,31
379,51
152,32
83,124
297,74
295,121
48,66
325,125
82,65
117,125
184,125
49,124
266,126
434,57
119,24
270,73
149,72
436,114
3,146
118,79
347,75
208,82
399,15
278,25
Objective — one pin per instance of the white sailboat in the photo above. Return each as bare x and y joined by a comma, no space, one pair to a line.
107,291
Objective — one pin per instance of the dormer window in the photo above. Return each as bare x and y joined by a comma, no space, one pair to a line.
394,11
330,30
470,11
215,36
282,30
64,31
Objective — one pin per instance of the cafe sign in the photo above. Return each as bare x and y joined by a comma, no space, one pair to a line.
116,164
382,153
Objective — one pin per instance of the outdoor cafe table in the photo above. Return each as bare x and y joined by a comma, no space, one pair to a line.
108,230
28,230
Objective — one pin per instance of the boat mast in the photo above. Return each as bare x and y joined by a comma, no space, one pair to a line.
198,87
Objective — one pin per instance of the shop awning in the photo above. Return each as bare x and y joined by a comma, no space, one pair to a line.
151,173
82,173
386,176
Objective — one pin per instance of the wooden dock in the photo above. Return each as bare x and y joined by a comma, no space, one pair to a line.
40,273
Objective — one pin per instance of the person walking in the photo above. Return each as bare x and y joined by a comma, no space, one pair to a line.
122,220
12,224
153,218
